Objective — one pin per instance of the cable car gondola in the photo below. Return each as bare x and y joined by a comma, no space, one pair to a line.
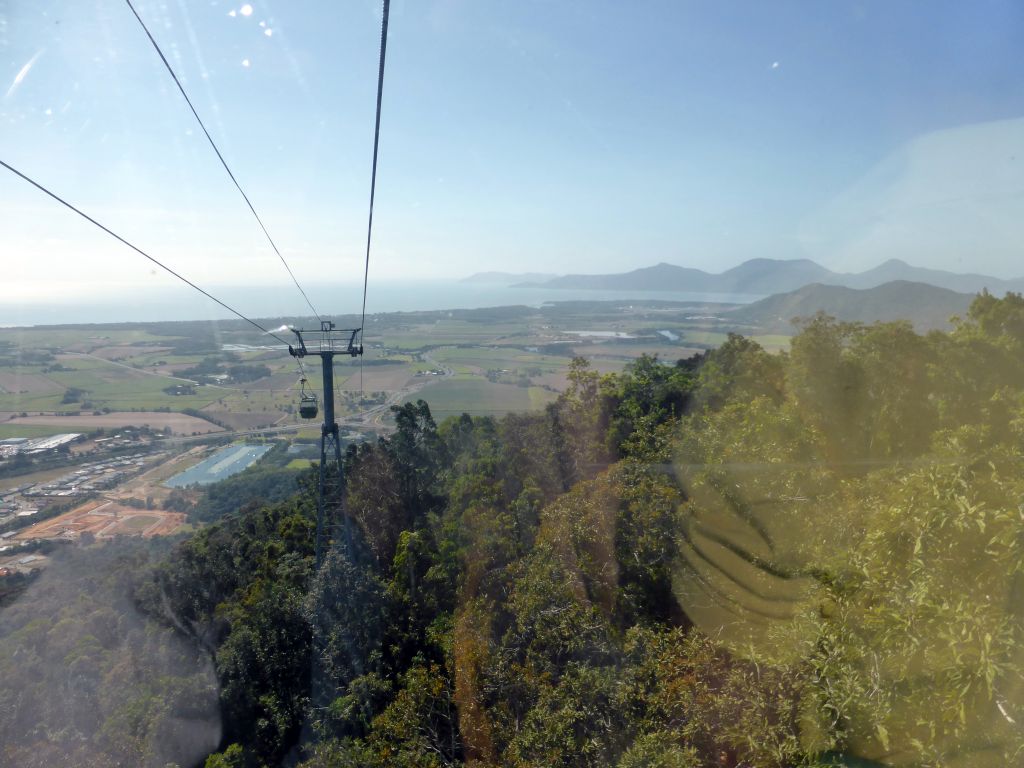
308,407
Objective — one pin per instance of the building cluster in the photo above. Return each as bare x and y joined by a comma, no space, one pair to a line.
13,559
12,506
120,440
89,477
15,445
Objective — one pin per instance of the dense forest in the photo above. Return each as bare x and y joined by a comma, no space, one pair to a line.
742,559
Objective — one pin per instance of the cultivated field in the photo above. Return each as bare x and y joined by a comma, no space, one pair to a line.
29,383
479,398
383,378
179,423
494,360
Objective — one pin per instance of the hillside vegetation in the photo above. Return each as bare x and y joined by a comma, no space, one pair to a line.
744,559
766,276
925,306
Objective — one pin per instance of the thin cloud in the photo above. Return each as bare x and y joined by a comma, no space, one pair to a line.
23,73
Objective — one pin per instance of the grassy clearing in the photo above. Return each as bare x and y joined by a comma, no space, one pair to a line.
299,464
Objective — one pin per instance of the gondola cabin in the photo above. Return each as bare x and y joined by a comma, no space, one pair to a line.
308,406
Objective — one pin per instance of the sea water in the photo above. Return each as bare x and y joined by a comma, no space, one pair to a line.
337,299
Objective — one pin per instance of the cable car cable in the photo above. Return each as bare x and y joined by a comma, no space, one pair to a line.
138,250
221,157
373,172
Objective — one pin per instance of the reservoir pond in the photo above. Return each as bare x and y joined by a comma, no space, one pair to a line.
224,463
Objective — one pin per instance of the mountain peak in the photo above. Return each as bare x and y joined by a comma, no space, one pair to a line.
765,276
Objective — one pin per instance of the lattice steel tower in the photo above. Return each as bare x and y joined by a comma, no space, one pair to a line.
326,342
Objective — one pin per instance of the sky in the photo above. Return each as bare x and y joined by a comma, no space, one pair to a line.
572,136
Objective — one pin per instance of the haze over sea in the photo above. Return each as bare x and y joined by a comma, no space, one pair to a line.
166,304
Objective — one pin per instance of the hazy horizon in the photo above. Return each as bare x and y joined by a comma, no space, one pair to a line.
176,302
260,302
583,139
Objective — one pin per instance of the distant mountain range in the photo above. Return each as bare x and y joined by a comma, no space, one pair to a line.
770,276
928,307
508,278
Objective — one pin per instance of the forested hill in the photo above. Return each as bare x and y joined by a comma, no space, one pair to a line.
743,559
758,276
768,276
925,306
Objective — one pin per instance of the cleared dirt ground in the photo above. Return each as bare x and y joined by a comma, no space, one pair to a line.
106,519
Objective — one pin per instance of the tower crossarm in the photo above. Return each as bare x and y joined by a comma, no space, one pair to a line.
326,340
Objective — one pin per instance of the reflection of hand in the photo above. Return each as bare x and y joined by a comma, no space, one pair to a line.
888,593
738,577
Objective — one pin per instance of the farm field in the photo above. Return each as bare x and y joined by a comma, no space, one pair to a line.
179,423
27,383
772,342
8,430
388,378
486,361
480,398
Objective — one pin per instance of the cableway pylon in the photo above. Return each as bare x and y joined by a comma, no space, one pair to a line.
326,342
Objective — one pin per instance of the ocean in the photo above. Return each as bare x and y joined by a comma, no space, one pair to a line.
284,301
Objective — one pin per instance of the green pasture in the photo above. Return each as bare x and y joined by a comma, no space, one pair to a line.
31,430
712,338
122,389
146,359
29,401
419,335
489,357
104,386
66,337
478,397
773,342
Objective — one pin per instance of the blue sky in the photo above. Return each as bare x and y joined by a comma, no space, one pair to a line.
570,136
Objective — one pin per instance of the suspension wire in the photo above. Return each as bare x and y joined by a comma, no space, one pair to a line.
373,175
138,250
302,373
221,157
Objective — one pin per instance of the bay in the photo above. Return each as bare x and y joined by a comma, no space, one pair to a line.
169,304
